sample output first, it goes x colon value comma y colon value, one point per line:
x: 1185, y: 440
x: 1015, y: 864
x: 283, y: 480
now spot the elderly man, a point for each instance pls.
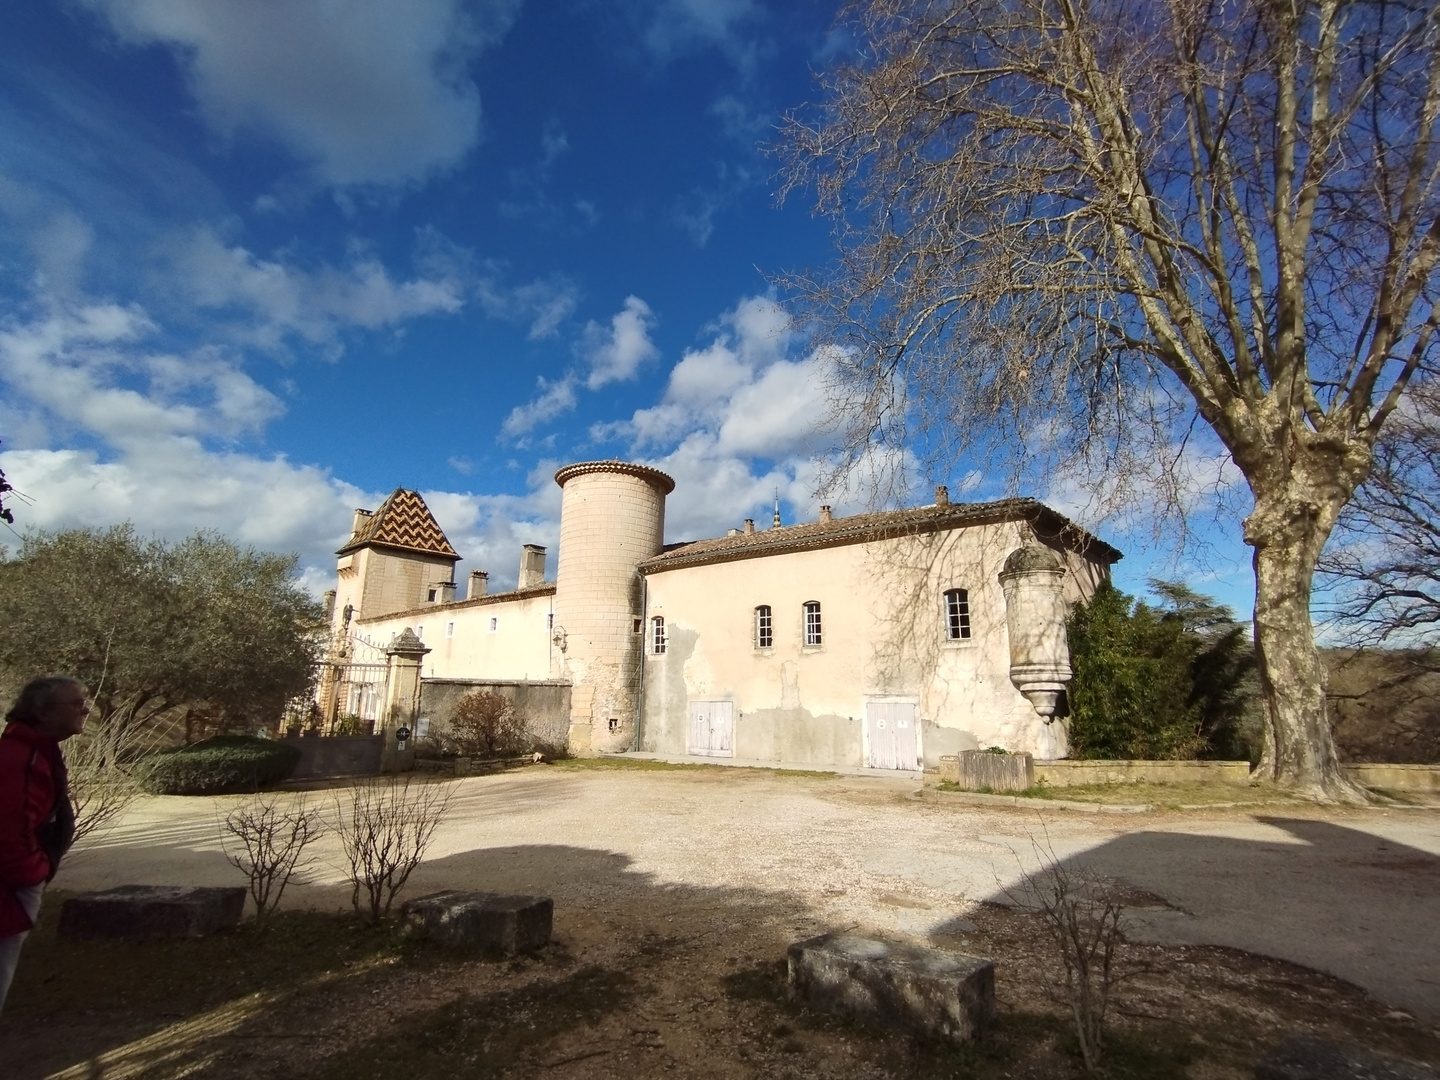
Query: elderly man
x: 37, y: 821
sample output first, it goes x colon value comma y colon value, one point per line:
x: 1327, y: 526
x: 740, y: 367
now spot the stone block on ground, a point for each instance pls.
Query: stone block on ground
x: 477, y: 920
x: 1308, y: 1057
x: 940, y: 993
x: 138, y: 911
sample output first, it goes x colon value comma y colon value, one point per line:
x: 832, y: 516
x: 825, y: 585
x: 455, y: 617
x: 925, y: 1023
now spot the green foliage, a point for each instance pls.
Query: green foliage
x: 204, y: 624
x: 221, y: 765
x: 1168, y: 682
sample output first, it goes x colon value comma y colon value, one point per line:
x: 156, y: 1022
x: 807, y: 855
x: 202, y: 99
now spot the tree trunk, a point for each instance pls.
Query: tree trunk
x: 1287, y: 538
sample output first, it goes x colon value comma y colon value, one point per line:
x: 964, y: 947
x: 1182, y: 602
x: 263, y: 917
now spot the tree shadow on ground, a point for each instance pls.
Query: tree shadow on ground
x: 1340, y: 923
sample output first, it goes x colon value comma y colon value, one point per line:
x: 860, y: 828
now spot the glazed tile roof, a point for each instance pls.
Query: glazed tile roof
x: 402, y: 521
x: 861, y: 528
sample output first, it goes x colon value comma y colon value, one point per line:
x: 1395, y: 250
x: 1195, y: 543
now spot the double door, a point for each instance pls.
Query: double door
x: 711, y: 731
x: 890, y: 741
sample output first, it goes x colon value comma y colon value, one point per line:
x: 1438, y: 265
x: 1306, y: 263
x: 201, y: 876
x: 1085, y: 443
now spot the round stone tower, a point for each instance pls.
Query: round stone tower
x: 612, y: 518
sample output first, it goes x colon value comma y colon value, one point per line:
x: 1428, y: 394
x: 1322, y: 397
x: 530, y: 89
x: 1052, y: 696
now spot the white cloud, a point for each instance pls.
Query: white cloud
x: 678, y: 27
x: 555, y: 398
x: 545, y: 302
x: 696, y: 213
x: 365, y: 91
x: 615, y: 354
x: 317, y: 305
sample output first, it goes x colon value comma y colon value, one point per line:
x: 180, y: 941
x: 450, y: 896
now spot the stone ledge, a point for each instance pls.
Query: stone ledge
x: 136, y: 911
x: 945, y: 994
x: 477, y: 920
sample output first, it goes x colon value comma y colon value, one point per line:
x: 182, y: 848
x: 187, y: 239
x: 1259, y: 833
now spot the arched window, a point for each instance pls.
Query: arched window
x: 957, y: 615
x: 764, y: 627
x: 812, y: 623
x: 657, y: 635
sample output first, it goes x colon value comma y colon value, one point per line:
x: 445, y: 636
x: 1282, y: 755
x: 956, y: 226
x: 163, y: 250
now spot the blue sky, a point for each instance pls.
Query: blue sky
x: 262, y: 262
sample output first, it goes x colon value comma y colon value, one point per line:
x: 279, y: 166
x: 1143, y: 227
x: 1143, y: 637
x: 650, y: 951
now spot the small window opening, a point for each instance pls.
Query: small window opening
x: 494, y: 623
x: 449, y: 629
x: 657, y: 635
x: 420, y: 632
x: 614, y: 724
x: 764, y: 627
x: 635, y: 627
x: 957, y: 615
x: 813, y: 634
x: 432, y: 596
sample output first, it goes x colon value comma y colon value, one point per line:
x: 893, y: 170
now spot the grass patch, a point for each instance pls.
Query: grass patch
x: 1160, y: 796
x: 640, y: 764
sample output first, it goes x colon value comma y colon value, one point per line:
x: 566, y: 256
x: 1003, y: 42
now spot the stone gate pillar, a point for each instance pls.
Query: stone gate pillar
x: 402, y: 682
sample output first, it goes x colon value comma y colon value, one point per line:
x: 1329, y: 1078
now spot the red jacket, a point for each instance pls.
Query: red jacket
x: 27, y: 799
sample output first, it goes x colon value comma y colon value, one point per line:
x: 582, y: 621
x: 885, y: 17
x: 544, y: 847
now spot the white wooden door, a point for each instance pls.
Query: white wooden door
x: 890, y: 735
x: 712, y: 728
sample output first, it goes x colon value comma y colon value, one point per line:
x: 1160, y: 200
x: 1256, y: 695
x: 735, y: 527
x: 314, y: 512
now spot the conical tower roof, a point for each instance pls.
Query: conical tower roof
x: 402, y: 521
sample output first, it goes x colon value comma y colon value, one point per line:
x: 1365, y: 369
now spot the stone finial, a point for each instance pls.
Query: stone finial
x: 942, y: 495
x: 406, y: 644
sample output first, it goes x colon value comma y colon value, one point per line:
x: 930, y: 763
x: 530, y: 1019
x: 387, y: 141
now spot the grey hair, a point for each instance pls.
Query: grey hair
x: 35, y: 698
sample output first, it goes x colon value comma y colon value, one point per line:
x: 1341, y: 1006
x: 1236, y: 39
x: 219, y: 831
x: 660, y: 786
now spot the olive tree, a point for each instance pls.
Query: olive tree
x: 1090, y: 233
x: 150, y: 626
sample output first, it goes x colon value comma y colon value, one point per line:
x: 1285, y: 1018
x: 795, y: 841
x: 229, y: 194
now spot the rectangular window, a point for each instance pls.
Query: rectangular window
x: 420, y: 632
x: 449, y: 629
x: 657, y: 635
x: 812, y: 623
x: 764, y: 627
x: 494, y: 623
x: 635, y: 629
x: 550, y: 620
x: 957, y: 615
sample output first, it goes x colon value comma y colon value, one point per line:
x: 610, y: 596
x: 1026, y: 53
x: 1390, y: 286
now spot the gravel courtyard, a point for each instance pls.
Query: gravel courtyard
x: 718, y: 852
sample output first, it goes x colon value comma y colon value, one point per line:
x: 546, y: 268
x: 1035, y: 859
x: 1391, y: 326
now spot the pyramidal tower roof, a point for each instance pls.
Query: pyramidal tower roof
x: 402, y: 521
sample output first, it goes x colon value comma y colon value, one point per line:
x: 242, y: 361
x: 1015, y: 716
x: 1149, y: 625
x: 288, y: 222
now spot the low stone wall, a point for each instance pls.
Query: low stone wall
x: 336, y: 755
x: 1397, y: 777
x: 545, y: 704
x: 1076, y: 773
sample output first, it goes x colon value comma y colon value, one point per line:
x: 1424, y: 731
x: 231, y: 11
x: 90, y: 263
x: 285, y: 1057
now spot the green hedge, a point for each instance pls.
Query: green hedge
x: 218, y: 766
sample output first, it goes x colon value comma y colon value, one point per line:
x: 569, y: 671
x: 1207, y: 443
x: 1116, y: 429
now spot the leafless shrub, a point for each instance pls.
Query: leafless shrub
x: 485, y: 724
x: 1085, y: 920
x: 99, y: 765
x: 384, y: 831
x: 266, y: 844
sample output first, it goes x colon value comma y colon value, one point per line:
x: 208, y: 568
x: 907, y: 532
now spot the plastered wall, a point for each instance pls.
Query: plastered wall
x: 883, y: 638
x: 463, y: 644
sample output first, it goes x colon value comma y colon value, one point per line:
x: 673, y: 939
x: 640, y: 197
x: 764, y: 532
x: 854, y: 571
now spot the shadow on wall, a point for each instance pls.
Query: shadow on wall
x: 1353, y: 904
x: 545, y: 706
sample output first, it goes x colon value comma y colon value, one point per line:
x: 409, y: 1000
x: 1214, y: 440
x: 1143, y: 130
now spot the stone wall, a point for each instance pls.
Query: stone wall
x: 1075, y: 773
x: 336, y: 755
x: 545, y: 704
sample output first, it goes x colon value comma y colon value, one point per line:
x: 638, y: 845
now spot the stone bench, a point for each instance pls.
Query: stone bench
x: 477, y: 920
x: 940, y: 993
x: 138, y: 911
x: 1307, y: 1057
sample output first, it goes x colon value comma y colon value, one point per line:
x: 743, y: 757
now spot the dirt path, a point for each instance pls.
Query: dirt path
x: 1354, y: 894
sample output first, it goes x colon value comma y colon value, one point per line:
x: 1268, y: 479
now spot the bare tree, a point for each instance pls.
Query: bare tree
x: 1381, y: 574
x: 385, y: 831
x: 99, y: 766
x: 271, y: 844
x: 1084, y: 918
x: 485, y: 724
x: 1097, y: 232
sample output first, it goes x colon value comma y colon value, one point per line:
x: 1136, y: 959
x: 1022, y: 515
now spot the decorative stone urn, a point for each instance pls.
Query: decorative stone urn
x: 1035, y: 618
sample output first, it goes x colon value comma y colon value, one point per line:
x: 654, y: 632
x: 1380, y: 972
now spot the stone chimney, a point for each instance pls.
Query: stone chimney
x: 479, y: 581
x: 532, y: 566
x: 824, y: 513
x: 749, y: 526
x: 942, y: 495
x: 444, y: 592
x: 362, y: 518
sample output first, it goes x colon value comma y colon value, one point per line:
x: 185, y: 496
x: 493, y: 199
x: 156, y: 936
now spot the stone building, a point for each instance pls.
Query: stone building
x: 882, y: 639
